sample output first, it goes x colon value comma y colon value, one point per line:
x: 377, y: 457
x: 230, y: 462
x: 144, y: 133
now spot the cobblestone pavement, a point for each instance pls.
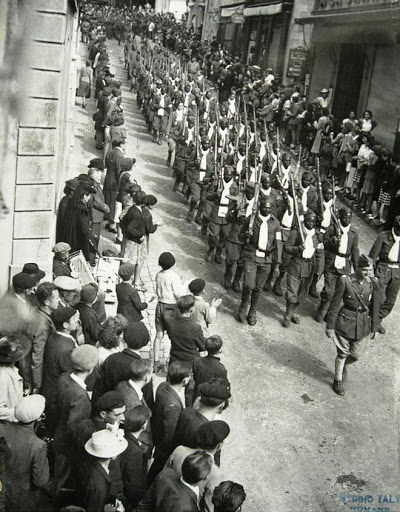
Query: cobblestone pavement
x: 294, y: 444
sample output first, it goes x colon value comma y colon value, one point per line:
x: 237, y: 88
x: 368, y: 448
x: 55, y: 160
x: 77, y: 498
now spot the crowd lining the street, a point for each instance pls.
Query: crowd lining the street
x: 109, y: 440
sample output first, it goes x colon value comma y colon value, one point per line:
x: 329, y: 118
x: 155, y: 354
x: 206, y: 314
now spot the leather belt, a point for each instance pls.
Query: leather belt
x: 356, y: 310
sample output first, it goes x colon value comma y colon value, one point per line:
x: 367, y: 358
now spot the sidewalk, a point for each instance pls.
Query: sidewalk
x: 84, y: 150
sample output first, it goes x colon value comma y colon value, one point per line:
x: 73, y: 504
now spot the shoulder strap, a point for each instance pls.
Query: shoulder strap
x: 358, y: 295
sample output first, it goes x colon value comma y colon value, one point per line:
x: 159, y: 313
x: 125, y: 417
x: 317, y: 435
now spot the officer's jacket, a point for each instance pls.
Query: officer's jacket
x: 351, y: 317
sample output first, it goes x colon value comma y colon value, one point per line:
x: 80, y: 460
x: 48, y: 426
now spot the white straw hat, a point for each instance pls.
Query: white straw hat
x: 106, y: 444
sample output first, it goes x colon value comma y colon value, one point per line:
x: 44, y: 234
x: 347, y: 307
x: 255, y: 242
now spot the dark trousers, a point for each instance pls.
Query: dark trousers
x: 389, y: 281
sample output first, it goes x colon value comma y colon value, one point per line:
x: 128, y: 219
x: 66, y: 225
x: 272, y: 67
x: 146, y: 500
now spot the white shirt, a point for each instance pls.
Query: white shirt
x: 78, y: 380
x: 169, y: 286
x: 192, y: 488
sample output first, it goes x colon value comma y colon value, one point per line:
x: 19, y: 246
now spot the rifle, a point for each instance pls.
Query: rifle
x: 255, y: 203
x: 196, y: 130
x: 334, y: 217
x: 278, y: 154
x: 246, y: 160
x: 296, y: 211
x: 269, y: 158
x: 255, y: 139
x: 297, y: 172
x: 319, y: 187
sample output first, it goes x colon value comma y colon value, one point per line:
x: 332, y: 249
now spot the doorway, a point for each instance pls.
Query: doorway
x: 349, y: 80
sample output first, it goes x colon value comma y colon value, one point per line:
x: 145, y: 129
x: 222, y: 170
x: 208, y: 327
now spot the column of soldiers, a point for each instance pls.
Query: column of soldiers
x: 270, y: 219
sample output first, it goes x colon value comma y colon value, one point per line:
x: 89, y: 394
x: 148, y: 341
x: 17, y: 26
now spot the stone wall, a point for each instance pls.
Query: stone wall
x: 40, y: 134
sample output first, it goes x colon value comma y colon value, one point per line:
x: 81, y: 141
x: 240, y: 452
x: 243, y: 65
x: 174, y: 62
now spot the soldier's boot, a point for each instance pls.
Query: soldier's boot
x: 228, y: 275
x: 210, y: 254
x: 288, y: 314
x: 218, y: 256
x: 313, y: 292
x: 267, y: 286
x: 198, y: 219
x: 176, y: 184
x: 295, y: 318
x: 204, y: 226
x: 168, y: 162
x: 244, y: 304
x: 322, y: 311
x: 236, y: 280
x: 338, y: 387
x: 192, y: 208
x: 277, y: 289
x: 252, y: 316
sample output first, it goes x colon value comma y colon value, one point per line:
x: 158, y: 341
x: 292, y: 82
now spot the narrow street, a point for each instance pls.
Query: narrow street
x: 294, y: 444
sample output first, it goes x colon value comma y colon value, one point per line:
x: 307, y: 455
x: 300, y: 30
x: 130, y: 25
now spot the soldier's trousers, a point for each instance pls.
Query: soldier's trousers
x: 297, y: 288
x: 217, y: 235
x: 389, y: 282
x: 255, y: 274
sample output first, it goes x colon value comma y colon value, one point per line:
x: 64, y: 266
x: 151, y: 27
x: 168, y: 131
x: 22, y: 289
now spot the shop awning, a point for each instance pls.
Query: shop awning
x: 228, y: 11
x: 263, y: 10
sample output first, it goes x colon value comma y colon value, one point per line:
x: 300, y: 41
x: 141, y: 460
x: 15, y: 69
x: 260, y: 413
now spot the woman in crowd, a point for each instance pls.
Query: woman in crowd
x: 85, y: 82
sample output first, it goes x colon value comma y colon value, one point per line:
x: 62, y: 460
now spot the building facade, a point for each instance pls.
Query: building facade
x: 38, y: 92
x: 355, y: 50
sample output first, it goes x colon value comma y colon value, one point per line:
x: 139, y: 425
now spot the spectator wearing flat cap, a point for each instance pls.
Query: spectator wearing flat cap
x: 68, y: 289
x: 116, y: 367
x: 63, y: 207
x: 203, y: 313
x: 61, y: 266
x: 57, y: 357
x: 27, y: 469
x: 210, y: 438
x: 213, y: 399
x: 78, y: 223
x: 13, y: 348
x: 89, y: 318
x: 129, y: 303
x: 102, y: 482
x: 73, y: 406
x: 99, y: 207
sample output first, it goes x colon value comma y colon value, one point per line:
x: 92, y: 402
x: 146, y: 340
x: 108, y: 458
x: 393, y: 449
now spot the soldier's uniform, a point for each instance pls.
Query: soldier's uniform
x: 385, y: 254
x: 353, y: 315
x: 262, y: 250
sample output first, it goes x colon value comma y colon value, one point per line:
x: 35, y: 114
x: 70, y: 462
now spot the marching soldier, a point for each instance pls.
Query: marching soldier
x: 385, y: 254
x: 341, y: 251
x: 262, y: 250
x: 352, y: 318
x: 307, y: 253
x: 161, y: 106
x: 218, y: 226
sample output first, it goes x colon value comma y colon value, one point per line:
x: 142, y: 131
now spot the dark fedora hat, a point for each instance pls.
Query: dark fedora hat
x: 33, y: 270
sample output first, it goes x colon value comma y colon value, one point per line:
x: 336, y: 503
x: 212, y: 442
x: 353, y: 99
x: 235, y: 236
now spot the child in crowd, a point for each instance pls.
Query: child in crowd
x: 204, y: 313
x: 169, y: 287
x: 129, y: 303
x: 209, y: 367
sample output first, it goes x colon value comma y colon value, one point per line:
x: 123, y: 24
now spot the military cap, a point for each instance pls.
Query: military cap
x: 309, y: 214
x: 250, y: 185
x: 364, y: 261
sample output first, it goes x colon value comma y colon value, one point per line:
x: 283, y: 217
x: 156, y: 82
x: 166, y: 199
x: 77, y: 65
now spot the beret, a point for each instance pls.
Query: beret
x: 68, y: 284
x: 126, y: 270
x: 127, y: 164
x: 62, y: 314
x: 214, y: 389
x: 110, y: 400
x: 33, y: 270
x: 166, y: 260
x: 364, y: 261
x: 61, y: 247
x: 84, y: 358
x: 197, y: 285
x: 89, y: 292
x: 72, y: 184
x: 30, y: 408
x: 151, y: 200
x: 210, y: 434
x: 23, y: 281
x: 136, y: 335
x: 97, y: 163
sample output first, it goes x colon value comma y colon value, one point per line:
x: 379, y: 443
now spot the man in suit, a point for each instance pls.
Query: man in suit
x: 341, y: 252
x: 133, y: 462
x: 26, y: 467
x: 73, y: 406
x: 228, y: 495
x: 170, y: 493
x: 170, y: 401
x: 57, y: 357
x: 129, y: 303
x: 89, y: 317
x: 131, y: 390
x: 111, y: 182
x: 116, y: 367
